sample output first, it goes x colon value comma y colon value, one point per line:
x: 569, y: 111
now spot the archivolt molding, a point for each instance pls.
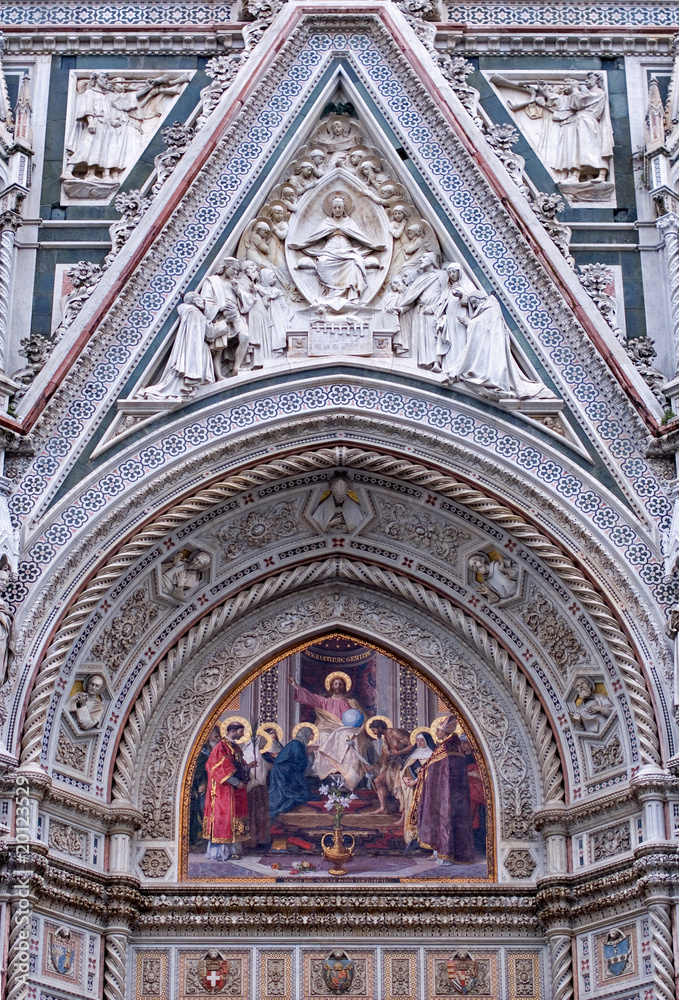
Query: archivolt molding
x: 324, y: 458
x: 291, y: 606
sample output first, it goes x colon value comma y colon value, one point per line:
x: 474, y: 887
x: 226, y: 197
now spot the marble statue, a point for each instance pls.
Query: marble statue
x: 184, y: 572
x: 493, y: 575
x: 340, y: 252
x: 486, y: 363
x: 421, y: 299
x: 228, y: 299
x: 190, y: 362
x: 87, y: 706
x: 591, y: 709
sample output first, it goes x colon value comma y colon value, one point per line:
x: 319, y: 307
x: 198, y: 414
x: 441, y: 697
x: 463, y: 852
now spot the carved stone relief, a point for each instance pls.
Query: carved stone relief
x: 608, y: 756
x: 402, y: 522
x: 553, y: 632
x: 566, y: 118
x: 609, y: 842
x: 591, y: 705
x: 117, y: 639
x: 257, y: 529
x: 493, y: 575
x: 520, y: 863
x: 87, y: 702
x: 182, y: 574
x: 339, y: 507
x: 155, y: 863
x: 71, y: 754
x: 110, y: 120
x: 69, y: 841
x: 340, y: 261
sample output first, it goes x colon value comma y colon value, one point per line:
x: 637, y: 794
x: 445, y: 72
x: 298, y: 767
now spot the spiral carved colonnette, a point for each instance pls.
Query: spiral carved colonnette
x: 357, y: 458
x: 333, y: 568
x: 17, y: 959
x: 662, y: 951
x: 115, y: 967
x: 562, y: 967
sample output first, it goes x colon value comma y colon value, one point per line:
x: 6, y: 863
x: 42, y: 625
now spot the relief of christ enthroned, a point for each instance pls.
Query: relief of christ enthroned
x: 337, y: 715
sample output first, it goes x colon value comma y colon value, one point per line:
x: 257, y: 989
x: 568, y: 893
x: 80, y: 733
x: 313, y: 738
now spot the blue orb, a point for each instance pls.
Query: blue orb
x: 352, y: 718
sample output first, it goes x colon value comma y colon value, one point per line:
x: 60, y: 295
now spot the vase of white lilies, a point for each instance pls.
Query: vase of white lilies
x: 338, y: 797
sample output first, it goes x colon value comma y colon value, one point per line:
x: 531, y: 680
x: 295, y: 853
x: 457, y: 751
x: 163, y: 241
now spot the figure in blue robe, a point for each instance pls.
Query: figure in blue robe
x: 288, y: 786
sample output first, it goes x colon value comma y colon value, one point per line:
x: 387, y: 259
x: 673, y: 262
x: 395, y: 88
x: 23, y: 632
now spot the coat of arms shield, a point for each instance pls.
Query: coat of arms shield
x: 463, y: 972
x: 338, y: 972
x: 62, y: 951
x: 617, y: 953
x: 213, y: 970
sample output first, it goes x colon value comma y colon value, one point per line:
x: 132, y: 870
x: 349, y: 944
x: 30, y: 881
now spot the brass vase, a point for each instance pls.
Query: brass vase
x: 337, y: 854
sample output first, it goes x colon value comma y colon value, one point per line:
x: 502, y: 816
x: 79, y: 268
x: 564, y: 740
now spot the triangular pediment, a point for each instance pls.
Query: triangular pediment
x: 540, y: 323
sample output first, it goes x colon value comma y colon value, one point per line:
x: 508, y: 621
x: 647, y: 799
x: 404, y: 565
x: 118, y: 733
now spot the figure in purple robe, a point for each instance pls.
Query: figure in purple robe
x: 441, y: 804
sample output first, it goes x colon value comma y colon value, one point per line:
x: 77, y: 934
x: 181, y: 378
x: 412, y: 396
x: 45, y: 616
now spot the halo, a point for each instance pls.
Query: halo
x: 262, y: 218
x: 372, y: 160
x: 347, y: 199
x: 422, y: 729
x: 400, y: 190
x: 338, y: 118
x: 363, y: 150
x: 437, y: 721
x: 376, y: 718
x: 266, y: 726
x: 403, y: 206
x: 307, y: 725
x: 244, y: 722
x: 338, y: 673
x: 277, y: 203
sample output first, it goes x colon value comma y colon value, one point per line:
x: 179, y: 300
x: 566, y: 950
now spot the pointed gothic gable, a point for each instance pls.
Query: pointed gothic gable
x: 449, y: 182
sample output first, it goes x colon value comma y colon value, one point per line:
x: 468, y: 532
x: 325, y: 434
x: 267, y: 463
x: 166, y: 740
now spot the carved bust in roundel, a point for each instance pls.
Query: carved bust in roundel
x: 339, y: 246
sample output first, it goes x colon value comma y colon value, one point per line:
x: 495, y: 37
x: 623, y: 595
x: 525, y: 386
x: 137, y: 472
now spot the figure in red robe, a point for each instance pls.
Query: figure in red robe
x: 441, y: 804
x: 225, y: 821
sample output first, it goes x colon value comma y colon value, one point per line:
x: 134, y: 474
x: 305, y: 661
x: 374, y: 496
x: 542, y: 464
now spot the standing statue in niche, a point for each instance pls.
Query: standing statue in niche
x: 339, y: 252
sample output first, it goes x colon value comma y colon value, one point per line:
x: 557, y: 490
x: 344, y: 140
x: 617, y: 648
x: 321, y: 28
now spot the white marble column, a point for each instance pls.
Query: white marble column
x: 9, y: 223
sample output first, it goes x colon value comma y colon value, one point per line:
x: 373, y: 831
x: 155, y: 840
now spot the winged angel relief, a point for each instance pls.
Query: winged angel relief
x: 339, y: 261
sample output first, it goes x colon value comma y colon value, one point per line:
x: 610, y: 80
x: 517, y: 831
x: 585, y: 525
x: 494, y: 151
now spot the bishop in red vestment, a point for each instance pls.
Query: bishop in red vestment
x: 225, y: 820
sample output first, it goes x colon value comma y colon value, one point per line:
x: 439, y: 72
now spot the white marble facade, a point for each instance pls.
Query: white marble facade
x: 295, y: 350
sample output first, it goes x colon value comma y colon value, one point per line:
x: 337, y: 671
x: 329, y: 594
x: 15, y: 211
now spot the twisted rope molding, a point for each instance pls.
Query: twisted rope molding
x: 370, y: 461
x: 527, y: 702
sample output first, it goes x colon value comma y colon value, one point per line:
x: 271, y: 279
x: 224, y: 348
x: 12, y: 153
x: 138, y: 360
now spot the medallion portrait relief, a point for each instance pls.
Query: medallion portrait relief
x: 336, y: 755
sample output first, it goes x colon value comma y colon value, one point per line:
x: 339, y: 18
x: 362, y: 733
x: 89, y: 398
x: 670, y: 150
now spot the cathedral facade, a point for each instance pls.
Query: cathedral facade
x: 339, y: 547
